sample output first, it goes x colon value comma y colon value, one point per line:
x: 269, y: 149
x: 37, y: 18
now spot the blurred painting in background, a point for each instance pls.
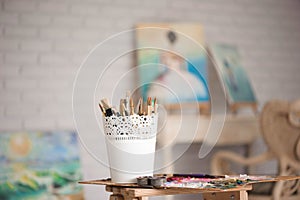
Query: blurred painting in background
x: 39, y: 165
x: 171, y: 62
x: 229, y: 65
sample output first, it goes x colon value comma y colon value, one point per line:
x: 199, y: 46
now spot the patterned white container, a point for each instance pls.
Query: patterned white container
x: 130, y: 142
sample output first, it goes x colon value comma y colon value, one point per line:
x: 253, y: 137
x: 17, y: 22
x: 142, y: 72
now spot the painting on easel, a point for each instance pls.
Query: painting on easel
x: 172, y: 62
x: 228, y: 64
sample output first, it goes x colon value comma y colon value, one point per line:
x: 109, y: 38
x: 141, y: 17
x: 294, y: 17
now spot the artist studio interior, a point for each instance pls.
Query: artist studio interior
x: 158, y: 100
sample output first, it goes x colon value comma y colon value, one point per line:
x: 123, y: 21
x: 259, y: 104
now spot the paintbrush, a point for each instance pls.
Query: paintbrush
x: 105, y: 103
x: 115, y: 112
x: 137, y: 109
x: 102, y: 109
x: 107, y: 107
x: 125, y: 111
x: 149, y: 106
x: 198, y: 176
x: 121, y: 109
x: 126, y: 102
x: 155, y: 105
x: 141, y: 107
x: 131, y: 107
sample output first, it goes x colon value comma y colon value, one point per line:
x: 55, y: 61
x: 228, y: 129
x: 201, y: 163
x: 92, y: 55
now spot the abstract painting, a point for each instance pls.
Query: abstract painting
x: 171, y: 62
x: 39, y: 165
x: 234, y: 76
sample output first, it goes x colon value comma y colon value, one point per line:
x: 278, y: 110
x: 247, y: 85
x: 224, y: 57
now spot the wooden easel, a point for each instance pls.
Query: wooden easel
x: 234, y: 107
x: 121, y: 193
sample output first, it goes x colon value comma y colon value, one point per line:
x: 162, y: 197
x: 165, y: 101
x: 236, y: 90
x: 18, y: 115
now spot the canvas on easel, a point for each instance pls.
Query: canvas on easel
x: 229, y: 67
x: 172, y: 63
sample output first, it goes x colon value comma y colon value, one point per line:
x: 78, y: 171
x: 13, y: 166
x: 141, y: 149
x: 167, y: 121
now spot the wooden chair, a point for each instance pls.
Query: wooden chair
x: 280, y: 128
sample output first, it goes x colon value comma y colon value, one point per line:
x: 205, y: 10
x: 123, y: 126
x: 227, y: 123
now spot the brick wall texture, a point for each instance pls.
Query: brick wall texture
x: 42, y: 44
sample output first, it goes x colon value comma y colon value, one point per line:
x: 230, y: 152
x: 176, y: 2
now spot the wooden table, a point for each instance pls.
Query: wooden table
x: 131, y: 191
x: 134, y: 192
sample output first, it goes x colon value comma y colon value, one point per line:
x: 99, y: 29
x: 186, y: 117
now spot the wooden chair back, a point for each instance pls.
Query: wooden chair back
x: 281, y: 131
x: 281, y: 136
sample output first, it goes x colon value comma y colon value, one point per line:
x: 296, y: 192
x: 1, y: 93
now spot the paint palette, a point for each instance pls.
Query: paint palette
x: 200, y: 181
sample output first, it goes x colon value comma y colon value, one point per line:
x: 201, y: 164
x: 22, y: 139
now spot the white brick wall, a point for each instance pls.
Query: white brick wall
x: 42, y: 44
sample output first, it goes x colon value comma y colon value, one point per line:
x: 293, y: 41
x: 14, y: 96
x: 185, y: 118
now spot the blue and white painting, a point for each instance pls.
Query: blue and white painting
x: 172, y: 62
x: 233, y: 74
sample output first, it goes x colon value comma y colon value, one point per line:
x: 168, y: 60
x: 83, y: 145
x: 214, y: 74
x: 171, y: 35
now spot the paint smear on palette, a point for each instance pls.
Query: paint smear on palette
x: 215, y: 183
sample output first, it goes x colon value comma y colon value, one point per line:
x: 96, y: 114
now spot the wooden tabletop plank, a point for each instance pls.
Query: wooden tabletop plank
x: 144, y: 192
x: 108, y: 182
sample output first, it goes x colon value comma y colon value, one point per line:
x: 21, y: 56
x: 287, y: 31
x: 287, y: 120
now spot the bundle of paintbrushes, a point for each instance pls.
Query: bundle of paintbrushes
x: 127, y: 107
x: 130, y: 132
x: 130, y: 122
